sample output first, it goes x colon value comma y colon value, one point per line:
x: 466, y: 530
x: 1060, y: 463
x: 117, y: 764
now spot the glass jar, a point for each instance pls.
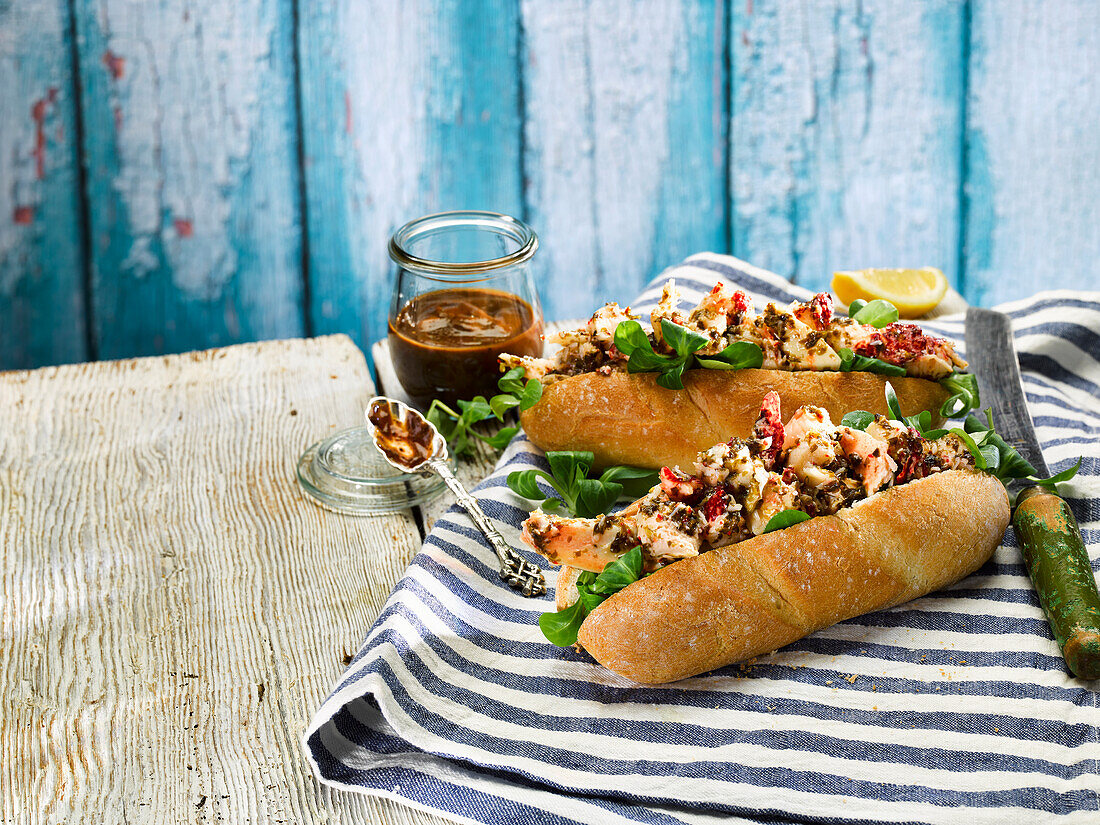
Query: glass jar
x: 463, y: 294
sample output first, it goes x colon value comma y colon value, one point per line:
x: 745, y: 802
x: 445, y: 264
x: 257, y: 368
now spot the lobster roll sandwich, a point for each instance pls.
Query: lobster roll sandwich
x: 657, y: 395
x: 768, y: 538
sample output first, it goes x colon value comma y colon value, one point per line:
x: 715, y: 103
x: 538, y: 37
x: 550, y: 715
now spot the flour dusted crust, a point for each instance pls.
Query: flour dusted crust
x: 629, y: 419
x: 745, y: 599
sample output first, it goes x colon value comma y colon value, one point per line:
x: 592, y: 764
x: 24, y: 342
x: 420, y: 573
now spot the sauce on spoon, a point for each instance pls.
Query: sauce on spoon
x: 405, y: 441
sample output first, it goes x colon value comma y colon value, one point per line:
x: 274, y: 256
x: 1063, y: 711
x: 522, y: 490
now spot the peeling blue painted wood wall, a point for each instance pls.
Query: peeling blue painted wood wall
x: 176, y: 176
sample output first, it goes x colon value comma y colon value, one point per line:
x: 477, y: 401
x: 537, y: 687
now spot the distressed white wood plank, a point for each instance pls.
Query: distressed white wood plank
x: 190, y: 143
x: 847, y: 135
x: 624, y: 144
x: 1033, y: 149
x: 175, y: 609
x: 41, y: 255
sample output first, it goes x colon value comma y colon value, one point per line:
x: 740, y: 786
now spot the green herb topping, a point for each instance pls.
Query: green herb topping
x: 785, y: 518
x: 457, y: 426
x: 877, y: 313
x: 581, y: 496
x: 964, y: 394
x: 999, y: 458
x: 850, y: 362
x: 632, y: 340
x: 991, y: 453
x: 561, y: 627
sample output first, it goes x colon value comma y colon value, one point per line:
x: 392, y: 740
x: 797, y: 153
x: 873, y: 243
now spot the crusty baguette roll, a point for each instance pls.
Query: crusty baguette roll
x: 745, y: 599
x: 629, y: 419
x: 566, y: 591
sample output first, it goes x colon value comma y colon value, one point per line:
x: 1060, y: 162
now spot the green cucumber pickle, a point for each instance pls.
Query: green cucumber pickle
x: 1058, y: 564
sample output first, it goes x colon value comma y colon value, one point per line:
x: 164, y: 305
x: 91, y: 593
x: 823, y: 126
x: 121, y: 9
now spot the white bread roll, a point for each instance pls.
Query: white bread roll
x: 629, y: 419
x: 745, y: 599
x: 566, y: 592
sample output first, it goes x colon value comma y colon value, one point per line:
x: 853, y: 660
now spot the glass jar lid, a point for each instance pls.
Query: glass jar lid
x: 346, y: 473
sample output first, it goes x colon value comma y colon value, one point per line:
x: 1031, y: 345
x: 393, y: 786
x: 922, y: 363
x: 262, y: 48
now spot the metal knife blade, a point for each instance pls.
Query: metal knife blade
x: 991, y: 351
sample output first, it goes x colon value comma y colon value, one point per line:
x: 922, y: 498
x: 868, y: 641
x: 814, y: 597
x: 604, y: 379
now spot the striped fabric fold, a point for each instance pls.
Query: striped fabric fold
x: 953, y: 708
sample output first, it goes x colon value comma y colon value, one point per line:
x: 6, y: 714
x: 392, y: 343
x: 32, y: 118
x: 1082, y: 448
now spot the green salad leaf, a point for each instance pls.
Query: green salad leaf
x: 877, y: 313
x: 635, y: 481
x: 922, y: 423
x: 632, y: 340
x: 857, y: 419
x: 850, y: 362
x: 683, y: 340
x: 456, y: 426
x: 995, y: 455
x: 625, y: 570
x: 785, y: 518
x: 991, y: 452
x: 1053, y: 481
x: 582, y: 496
x: 739, y: 355
x: 964, y: 394
x: 561, y: 628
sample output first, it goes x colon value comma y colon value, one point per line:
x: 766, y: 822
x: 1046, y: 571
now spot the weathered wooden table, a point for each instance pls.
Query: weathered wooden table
x: 174, y: 609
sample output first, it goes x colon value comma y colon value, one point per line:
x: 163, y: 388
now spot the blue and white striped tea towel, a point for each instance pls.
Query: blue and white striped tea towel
x: 953, y: 708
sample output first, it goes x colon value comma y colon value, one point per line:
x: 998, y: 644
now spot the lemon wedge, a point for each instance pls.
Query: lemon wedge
x: 913, y: 291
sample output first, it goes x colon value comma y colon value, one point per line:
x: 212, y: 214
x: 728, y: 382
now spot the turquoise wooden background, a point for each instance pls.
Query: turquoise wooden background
x: 179, y: 175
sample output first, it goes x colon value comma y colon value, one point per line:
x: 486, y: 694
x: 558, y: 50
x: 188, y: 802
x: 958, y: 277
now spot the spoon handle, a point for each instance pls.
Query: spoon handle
x: 515, y: 571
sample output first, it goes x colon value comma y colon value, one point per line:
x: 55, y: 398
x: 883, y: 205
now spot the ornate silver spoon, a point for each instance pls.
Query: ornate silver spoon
x: 409, y: 442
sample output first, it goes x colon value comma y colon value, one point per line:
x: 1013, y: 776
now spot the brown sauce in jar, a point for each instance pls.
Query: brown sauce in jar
x: 445, y: 343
